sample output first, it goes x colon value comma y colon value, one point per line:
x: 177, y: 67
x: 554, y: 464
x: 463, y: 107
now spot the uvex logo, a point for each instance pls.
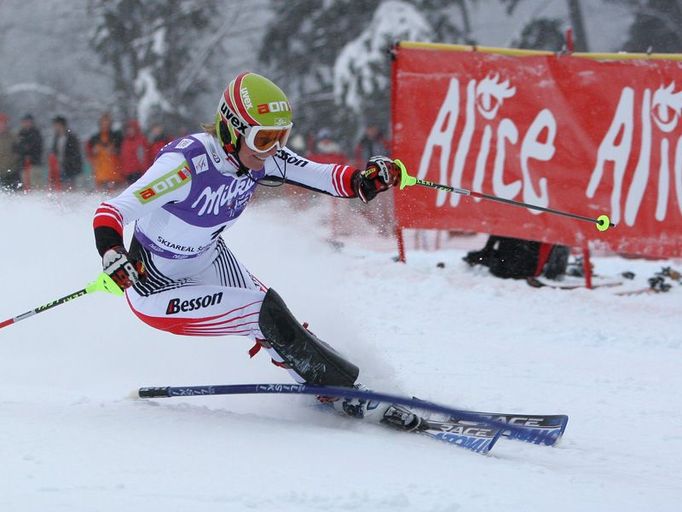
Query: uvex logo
x: 244, y: 92
x: 176, y: 305
x: 166, y: 183
x: 232, y: 118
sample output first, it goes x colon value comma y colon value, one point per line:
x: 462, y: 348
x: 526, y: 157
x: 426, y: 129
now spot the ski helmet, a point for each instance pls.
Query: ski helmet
x: 248, y: 102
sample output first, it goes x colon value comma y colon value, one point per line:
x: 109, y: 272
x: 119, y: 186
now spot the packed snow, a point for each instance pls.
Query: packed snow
x: 71, y: 439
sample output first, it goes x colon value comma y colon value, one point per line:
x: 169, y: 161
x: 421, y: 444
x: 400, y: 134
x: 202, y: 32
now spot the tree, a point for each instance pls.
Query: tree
x: 302, y: 44
x: 299, y: 51
x: 542, y: 32
x: 362, y: 67
x: 657, y: 26
x: 147, y: 46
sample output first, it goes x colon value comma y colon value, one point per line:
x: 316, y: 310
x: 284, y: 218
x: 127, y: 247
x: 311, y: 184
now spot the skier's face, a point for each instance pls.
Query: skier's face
x: 251, y: 158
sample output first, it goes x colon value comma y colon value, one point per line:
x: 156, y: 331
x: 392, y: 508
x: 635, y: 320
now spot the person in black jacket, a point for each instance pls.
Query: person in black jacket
x: 67, y: 152
x: 30, y: 147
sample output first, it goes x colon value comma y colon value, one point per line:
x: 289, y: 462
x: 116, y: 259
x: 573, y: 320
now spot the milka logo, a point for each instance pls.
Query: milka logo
x: 212, y: 201
x: 664, y: 106
x: 487, y: 97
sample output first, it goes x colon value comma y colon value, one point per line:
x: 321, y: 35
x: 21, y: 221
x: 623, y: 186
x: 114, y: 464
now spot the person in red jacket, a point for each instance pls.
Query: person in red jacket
x: 157, y: 140
x: 134, y: 150
x: 326, y: 150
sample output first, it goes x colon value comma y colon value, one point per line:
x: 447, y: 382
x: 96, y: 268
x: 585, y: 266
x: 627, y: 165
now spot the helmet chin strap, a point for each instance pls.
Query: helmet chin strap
x: 234, y: 151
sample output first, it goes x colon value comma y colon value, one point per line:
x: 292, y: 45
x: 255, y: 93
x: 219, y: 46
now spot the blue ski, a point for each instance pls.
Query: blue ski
x: 538, y: 429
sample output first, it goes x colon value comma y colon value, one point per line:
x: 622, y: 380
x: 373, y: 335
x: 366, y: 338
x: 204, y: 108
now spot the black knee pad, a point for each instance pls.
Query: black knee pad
x: 308, y: 356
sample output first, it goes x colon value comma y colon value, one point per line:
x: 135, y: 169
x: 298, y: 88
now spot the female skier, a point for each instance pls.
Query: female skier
x: 178, y: 274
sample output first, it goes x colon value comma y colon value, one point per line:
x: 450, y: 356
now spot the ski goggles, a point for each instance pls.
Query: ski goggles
x: 262, y: 139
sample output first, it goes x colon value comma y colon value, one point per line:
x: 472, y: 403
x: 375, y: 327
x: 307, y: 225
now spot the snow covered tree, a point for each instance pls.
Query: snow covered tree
x: 657, y: 26
x: 362, y: 68
x: 304, y: 42
x: 150, y: 49
x: 543, y: 33
x: 450, y: 20
x: 299, y: 50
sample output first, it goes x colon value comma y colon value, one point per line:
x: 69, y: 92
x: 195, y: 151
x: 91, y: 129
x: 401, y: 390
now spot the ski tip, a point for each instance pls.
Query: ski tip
x: 134, y: 394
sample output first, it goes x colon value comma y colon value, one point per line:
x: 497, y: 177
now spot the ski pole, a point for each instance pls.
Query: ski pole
x: 340, y: 392
x: 602, y: 222
x: 103, y: 283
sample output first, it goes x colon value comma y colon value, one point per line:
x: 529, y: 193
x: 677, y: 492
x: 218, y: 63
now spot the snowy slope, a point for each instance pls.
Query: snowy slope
x: 71, y: 440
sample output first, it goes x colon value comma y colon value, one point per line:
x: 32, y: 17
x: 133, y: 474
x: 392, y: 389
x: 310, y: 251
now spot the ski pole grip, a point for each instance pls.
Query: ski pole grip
x: 154, y: 392
x: 405, y: 179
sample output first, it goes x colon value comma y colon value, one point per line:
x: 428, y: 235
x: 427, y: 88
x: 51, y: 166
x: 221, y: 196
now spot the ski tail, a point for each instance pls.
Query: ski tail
x: 545, y: 430
x: 477, y: 438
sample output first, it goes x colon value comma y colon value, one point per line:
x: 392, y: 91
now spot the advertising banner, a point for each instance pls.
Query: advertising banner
x: 583, y: 135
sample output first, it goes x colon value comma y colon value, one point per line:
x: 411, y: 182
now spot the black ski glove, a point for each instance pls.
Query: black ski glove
x: 124, y: 271
x: 379, y: 175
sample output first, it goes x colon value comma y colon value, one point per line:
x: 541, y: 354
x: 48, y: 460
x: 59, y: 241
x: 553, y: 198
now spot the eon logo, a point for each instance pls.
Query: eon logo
x: 166, y: 183
x: 176, y: 306
x: 273, y: 106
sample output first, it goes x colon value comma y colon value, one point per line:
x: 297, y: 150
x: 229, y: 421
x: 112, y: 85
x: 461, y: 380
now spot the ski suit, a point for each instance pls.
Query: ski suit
x: 191, y: 193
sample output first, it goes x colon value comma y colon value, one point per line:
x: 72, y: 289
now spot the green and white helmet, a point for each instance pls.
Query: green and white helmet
x: 257, y: 110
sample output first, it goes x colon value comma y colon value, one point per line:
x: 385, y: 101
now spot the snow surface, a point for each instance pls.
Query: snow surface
x: 71, y: 440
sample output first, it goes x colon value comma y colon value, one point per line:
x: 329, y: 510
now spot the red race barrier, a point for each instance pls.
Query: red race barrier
x: 589, y: 136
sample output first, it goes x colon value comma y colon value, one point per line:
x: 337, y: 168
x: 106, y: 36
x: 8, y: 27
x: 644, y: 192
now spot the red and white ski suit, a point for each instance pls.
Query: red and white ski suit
x: 180, y: 206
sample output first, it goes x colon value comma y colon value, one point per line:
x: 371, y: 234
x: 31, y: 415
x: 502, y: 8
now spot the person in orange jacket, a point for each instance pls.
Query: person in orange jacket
x: 103, y: 151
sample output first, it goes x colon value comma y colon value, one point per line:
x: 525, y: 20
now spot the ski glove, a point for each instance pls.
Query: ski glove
x: 379, y: 175
x: 125, y: 272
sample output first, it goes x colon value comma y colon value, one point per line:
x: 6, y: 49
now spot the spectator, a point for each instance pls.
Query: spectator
x: 297, y: 143
x: 30, y: 148
x: 134, y: 150
x: 518, y: 259
x: 371, y: 143
x: 157, y: 140
x: 10, y: 173
x: 326, y: 150
x: 103, y: 151
x: 66, y: 153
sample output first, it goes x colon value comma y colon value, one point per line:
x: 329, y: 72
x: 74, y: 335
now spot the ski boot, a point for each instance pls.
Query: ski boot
x: 393, y: 415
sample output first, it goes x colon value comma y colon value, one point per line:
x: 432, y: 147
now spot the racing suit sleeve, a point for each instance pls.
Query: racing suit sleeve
x: 333, y: 179
x: 167, y: 180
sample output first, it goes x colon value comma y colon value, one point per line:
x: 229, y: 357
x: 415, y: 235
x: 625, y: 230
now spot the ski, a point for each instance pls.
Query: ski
x: 477, y: 438
x: 545, y: 430
x: 540, y: 429
x: 563, y: 285
x: 661, y: 282
x: 475, y: 431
